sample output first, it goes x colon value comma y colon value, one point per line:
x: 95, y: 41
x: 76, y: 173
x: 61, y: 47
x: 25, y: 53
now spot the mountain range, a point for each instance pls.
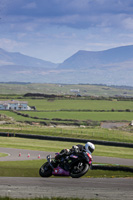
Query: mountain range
x: 112, y: 67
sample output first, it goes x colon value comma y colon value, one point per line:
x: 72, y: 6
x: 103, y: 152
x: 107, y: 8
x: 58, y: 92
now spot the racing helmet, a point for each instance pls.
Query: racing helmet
x: 89, y: 147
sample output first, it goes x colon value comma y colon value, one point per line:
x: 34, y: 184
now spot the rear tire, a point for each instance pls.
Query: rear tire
x: 79, y: 170
x: 45, y: 170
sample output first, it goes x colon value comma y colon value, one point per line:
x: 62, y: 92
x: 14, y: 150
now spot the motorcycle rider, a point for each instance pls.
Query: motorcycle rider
x: 88, y: 147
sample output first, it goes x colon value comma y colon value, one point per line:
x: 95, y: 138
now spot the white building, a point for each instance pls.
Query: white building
x: 14, y: 105
x: 74, y: 90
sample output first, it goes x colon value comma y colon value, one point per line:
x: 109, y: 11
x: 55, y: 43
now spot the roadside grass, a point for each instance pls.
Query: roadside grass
x: 95, y: 133
x: 3, y: 154
x: 56, y: 146
x: 20, y: 168
x: 107, y: 174
x: 31, y: 169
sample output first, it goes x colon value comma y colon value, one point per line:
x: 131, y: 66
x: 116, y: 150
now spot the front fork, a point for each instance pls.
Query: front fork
x: 49, y: 161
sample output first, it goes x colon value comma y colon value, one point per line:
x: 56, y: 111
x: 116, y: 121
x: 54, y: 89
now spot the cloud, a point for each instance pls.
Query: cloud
x: 71, y: 13
x: 9, y: 44
x: 128, y: 23
x: 31, y: 5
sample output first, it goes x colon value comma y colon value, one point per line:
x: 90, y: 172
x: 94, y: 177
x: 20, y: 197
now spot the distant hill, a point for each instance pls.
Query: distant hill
x: 99, y: 59
x: 22, y: 68
x: 18, y: 59
x: 111, y: 67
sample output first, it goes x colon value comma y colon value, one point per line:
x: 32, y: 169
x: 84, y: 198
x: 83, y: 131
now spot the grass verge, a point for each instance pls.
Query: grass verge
x: 31, y: 169
x: 3, y: 154
x: 95, y: 133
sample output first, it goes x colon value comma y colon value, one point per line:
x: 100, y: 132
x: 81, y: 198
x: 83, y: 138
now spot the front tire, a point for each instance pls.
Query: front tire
x: 45, y: 170
x: 79, y: 169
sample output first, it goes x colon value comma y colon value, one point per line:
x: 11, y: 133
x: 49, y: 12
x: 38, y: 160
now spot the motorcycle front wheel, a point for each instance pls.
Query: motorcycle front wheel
x: 79, y: 169
x: 45, y: 170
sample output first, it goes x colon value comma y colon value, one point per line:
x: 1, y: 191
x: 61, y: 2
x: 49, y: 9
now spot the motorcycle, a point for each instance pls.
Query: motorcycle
x: 74, y: 165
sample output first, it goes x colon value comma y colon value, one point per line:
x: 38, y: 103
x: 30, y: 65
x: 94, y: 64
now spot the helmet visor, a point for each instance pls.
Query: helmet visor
x: 90, y: 149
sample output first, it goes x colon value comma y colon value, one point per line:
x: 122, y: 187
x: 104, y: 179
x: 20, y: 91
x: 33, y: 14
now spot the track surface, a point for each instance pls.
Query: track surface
x: 13, y: 155
x: 101, y: 188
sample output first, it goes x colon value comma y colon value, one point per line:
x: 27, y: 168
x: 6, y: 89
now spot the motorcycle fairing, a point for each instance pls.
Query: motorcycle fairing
x: 58, y: 171
x: 90, y: 158
x: 73, y: 156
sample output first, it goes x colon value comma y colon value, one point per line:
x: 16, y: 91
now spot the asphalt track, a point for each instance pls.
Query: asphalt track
x: 99, y: 188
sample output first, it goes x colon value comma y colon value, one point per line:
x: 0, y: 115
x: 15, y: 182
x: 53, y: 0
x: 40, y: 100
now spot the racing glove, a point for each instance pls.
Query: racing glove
x: 75, y: 149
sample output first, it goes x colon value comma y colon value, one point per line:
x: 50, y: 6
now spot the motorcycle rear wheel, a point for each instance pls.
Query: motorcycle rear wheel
x: 79, y: 170
x: 45, y: 170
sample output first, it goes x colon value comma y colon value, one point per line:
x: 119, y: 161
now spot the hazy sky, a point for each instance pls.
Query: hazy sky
x: 53, y: 30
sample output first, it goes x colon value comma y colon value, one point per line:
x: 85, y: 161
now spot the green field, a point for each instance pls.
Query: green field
x: 95, y: 116
x: 96, y: 110
x: 73, y: 113
x: 89, y: 132
x: 88, y: 90
x: 74, y: 104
